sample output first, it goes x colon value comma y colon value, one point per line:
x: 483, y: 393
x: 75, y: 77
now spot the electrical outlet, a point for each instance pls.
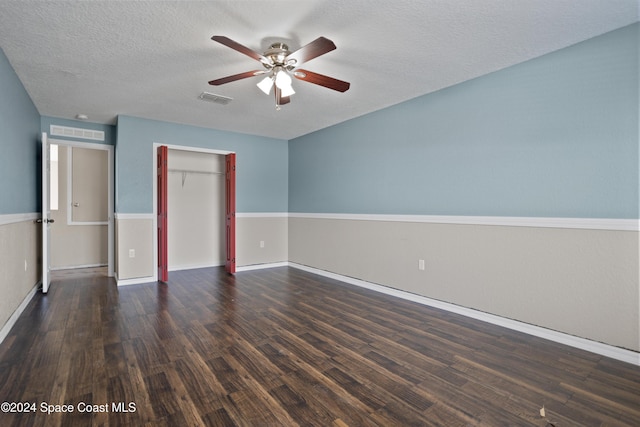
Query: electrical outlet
x: 132, y: 253
x: 262, y: 243
x: 420, y: 264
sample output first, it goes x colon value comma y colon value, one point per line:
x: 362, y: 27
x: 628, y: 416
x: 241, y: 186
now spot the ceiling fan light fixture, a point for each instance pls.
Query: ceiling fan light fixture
x: 279, y: 63
x: 283, y: 79
x: 287, y: 90
x: 266, y: 84
x: 283, y: 82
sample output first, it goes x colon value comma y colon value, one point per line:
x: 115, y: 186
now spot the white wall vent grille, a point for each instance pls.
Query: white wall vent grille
x: 212, y: 97
x: 95, y: 135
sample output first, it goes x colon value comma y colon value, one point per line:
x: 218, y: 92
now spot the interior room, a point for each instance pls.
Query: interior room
x: 327, y: 212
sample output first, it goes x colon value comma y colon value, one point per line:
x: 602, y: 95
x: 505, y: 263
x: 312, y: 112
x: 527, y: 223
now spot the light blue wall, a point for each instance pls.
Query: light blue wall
x: 261, y: 171
x: 19, y: 140
x: 109, y: 130
x: 556, y: 136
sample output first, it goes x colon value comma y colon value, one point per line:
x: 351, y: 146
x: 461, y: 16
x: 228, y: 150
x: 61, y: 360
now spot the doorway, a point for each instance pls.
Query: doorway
x: 81, y: 202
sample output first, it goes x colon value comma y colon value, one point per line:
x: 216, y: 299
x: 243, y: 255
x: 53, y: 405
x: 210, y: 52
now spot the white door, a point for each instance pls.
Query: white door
x: 46, y: 214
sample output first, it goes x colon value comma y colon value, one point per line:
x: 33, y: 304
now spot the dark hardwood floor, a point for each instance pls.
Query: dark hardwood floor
x: 284, y: 347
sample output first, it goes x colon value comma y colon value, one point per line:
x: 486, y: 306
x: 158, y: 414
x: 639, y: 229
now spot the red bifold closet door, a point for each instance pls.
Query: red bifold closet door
x: 163, y: 262
x: 230, y: 213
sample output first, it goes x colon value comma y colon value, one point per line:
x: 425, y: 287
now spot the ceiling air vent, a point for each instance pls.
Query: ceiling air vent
x: 212, y: 97
x: 96, y: 135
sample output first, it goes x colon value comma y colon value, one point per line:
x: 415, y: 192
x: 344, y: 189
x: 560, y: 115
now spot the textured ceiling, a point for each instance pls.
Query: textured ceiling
x: 152, y: 59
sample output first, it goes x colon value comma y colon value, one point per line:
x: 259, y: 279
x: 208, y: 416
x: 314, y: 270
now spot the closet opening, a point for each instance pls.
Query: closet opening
x: 195, y: 233
x: 195, y: 202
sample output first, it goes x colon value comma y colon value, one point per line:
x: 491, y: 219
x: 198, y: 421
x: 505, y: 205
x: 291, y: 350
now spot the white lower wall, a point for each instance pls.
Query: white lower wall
x: 135, y: 233
x: 269, y: 229
x: 19, y: 268
x: 581, y: 282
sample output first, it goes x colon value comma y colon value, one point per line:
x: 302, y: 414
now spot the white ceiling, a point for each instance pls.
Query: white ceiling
x: 152, y: 59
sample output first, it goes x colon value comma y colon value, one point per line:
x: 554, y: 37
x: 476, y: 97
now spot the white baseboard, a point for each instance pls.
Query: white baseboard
x: 135, y: 281
x: 77, y: 267
x: 263, y: 266
x: 602, y: 349
x: 4, y: 332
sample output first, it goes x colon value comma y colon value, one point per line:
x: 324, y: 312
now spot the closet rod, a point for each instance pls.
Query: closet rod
x: 192, y: 171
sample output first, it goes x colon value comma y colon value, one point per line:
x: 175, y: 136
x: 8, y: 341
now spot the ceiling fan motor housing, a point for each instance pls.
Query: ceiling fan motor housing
x: 277, y: 54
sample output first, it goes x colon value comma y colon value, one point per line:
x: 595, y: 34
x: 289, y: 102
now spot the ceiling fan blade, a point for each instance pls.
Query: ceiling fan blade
x: 281, y: 100
x: 322, y: 80
x: 240, y: 48
x: 235, y: 77
x: 318, y: 47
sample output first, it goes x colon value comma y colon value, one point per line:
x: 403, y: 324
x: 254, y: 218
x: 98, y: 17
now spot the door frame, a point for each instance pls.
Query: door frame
x: 45, y: 184
x: 230, y: 212
x: 162, y: 186
x: 110, y: 191
x: 154, y: 157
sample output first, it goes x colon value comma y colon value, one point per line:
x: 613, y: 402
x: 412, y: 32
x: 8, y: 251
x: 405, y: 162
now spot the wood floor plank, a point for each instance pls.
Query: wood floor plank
x: 314, y: 384
x: 607, y: 406
x: 284, y: 347
x: 140, y: 395
x: 204, y: 392
x: 342, y: 406
x: 187, y: 408
x: 551, y: 390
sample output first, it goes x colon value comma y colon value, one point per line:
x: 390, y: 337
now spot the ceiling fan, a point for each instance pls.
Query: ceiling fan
x: 280, y: 64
